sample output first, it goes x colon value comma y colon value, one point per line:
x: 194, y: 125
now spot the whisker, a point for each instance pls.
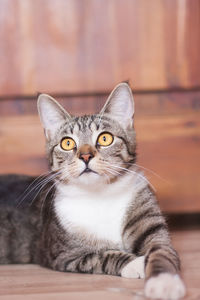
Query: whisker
x: 133, y: 172
x: 113, y: 172
x: 65, y: 174
x: 107, y: 169
x: 43, y: 185
x: 148, y: 170
x: 45, y: 197
x: 32, y: 186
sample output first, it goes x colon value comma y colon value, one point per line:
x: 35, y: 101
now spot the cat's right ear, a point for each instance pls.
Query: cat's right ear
x: 52, y: 115
x: 120, y: 105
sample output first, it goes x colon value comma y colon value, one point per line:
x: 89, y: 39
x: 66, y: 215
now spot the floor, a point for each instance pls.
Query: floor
x: 32, y: 282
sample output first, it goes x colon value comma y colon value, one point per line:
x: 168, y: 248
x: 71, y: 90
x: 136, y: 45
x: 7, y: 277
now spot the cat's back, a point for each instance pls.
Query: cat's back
x: 18, y: 219
x: 13, y: 187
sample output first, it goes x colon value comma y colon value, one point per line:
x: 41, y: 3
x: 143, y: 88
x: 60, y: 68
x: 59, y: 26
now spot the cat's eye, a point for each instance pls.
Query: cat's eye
x: 67, y: 144
x: 105, y: 139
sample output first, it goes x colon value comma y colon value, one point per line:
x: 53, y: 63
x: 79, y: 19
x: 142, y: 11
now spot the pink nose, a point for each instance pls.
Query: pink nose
x: 86, y: 157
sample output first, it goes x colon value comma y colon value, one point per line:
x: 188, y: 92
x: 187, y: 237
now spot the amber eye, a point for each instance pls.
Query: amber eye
x: 67, y: 144
x: 105, y: 139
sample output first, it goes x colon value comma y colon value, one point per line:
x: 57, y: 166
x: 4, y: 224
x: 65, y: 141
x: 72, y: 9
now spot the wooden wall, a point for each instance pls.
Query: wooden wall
x: 72, y: 46
x: 77, y: 50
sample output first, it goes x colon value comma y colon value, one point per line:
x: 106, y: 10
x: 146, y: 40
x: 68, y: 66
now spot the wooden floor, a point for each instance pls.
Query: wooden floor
x: 32, y: 282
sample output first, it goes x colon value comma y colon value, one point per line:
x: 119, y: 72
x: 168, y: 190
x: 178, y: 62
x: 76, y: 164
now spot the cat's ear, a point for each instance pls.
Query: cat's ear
x: 52, y: 115
x: 120, y: 105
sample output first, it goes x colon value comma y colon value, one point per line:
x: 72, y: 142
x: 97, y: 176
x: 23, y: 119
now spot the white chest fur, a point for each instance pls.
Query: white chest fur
x: 99, y: 213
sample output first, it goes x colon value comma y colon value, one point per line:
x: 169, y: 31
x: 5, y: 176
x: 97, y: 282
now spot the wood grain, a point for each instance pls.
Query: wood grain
x: 150, y: 103
x: 170, y: 148
x: 80, y: 46
x: 168, y: 131
x: 35, y: 283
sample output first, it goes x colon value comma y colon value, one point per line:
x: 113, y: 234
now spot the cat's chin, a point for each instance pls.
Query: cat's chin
x: 89, y: 178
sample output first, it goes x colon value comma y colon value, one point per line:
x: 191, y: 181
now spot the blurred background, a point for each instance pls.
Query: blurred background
x: 77, y: 51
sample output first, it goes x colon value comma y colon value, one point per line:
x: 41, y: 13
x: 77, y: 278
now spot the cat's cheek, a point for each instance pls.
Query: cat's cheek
x: 165, y: 286
x: 80, y: 166
x: 73, y: 170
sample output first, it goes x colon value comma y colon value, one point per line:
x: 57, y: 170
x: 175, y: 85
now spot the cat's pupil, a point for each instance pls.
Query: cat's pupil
x: 104, y: 138
x: 68, y: 143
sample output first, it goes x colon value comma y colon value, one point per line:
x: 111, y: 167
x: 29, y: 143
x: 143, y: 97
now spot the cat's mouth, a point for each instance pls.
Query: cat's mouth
x: 87, y: 170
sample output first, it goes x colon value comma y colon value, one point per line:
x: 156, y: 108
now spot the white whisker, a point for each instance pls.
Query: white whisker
x: 45, y: 197
x: 133, y: 172
x: 31, y: 187
x: 148, y: 170
x: 34, y: 187
x: 44, y: 183
x: 113, y: 172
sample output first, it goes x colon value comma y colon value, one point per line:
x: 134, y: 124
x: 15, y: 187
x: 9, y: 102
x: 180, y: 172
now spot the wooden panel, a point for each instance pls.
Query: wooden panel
x: 169, y: 146
x: 80, y: 46
x: 159, y: 103
x: 168, y: 134
x: 22, y: 145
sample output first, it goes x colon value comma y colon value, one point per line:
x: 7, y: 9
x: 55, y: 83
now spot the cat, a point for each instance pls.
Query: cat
x: 94, y: 212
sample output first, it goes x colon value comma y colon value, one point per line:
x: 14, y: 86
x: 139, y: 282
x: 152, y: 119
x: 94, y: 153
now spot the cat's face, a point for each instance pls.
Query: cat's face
x: 90, y: 149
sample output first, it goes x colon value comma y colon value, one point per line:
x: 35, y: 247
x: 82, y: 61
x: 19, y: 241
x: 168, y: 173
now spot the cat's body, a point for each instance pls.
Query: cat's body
x: 95, y: 213
x: 19, y: 223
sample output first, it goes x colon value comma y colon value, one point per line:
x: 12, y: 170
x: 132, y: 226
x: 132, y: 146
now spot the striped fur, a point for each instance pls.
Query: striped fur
x: 96, y: 216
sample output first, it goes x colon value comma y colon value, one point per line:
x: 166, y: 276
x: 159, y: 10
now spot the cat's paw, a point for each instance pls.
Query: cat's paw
x: 134, y: 269
x: 165, y: 286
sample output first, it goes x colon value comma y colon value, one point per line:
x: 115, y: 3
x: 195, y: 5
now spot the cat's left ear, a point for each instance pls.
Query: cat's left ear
x: 52, y: 115
x: 120, y: 105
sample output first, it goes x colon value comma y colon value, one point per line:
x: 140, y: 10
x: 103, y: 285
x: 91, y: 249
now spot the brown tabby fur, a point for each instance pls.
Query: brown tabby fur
x: 31, y: 231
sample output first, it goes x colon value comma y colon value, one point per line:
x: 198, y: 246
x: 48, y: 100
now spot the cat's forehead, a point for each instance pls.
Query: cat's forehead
x: 87, y: 124
x: 86, y: 129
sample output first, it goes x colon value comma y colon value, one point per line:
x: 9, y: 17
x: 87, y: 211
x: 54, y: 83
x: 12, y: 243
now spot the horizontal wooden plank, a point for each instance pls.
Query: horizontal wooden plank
x: 155, y: 103
x: 168, y: 145
x: 80, y: 46
x: 171, y: 148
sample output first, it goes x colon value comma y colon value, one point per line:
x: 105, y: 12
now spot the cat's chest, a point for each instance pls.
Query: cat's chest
x: 100, y: 215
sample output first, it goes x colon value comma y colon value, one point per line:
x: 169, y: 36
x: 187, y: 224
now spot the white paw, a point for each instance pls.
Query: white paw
x: 134, y: 269
x: 165, y: 286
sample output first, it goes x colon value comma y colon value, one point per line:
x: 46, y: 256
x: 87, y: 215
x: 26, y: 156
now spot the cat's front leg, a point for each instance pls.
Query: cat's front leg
x: 145, y: 233
x: 162, y: 271
x: 111, y: 262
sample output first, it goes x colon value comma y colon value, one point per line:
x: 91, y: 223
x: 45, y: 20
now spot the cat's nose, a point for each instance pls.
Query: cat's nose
x: 86, y: 157
x: 86, y: 153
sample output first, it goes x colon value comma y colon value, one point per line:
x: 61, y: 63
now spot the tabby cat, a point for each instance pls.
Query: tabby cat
x: 95, y: 211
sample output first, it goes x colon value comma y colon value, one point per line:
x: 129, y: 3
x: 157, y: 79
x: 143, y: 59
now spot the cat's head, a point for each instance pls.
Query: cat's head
x: 92, y: 148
